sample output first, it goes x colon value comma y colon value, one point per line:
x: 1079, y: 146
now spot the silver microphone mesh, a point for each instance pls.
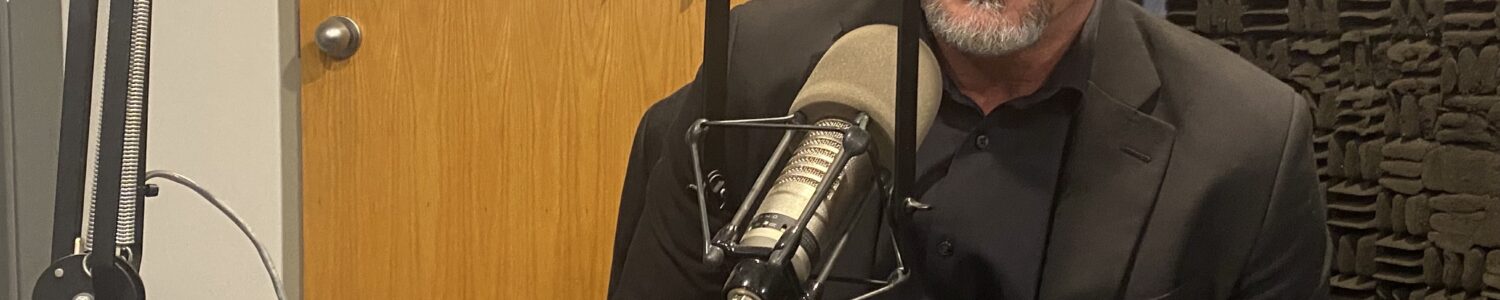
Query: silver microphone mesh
x: 809, y: 166
x: 813, y: 159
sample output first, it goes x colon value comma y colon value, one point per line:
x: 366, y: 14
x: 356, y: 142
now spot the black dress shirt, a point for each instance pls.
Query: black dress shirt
x: 992, y: 180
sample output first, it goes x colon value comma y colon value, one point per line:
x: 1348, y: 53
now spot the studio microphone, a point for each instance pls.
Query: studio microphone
x: 853, y: 85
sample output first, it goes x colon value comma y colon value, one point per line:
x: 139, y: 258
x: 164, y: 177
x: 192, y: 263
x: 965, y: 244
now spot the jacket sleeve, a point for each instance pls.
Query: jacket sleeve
x: 1292, y: 251
x: 643, y: 156
x: 658, y: 250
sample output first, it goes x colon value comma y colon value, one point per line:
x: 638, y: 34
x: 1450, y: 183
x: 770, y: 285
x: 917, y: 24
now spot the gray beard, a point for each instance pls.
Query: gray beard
x: 986, y: 35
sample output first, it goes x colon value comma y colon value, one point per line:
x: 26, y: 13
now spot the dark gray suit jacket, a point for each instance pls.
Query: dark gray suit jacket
x: 1190, y: 176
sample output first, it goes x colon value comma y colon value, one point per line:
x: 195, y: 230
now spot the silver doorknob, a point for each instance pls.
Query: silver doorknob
x: 338, y: 37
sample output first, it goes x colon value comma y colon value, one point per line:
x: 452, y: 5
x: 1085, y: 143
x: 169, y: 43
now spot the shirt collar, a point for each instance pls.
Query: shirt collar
x: 1072, y: 71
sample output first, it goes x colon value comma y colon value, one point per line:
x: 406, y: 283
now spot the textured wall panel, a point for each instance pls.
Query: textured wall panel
x: 1406, y: 110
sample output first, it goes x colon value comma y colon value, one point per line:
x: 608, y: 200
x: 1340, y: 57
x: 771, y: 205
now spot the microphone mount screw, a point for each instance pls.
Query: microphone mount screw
x: 151, y: 190
x: 718, y: 188
x: 913, y: 204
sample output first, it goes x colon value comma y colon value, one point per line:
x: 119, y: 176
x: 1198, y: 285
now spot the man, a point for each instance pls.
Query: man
x: 1083, y: 150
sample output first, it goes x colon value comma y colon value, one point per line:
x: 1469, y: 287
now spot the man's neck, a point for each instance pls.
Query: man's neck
x: 994, y: 80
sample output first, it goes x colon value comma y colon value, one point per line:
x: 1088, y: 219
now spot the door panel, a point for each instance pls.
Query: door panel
x: 475, y: 149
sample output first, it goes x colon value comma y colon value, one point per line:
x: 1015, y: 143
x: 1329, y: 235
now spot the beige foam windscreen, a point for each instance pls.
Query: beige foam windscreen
x: 858, y: 74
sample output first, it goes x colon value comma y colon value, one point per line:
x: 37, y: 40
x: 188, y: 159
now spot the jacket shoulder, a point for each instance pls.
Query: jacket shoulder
x: 1185, y: 57
x: 1210, y: 92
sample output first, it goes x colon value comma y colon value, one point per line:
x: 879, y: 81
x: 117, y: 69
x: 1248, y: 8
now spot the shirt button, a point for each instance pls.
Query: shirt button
x: 982, y: 141
x: 945, y: 248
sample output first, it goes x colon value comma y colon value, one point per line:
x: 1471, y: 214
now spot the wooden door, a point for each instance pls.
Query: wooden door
x: 475, y: 149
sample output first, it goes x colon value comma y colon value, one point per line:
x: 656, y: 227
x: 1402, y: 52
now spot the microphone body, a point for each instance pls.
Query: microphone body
x: 811, y: 164
x: 853, y: 85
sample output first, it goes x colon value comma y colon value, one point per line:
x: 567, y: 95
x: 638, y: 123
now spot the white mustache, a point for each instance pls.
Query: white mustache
x: 987, y: 4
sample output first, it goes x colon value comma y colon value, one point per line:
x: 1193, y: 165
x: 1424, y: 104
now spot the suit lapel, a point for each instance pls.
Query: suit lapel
x: 1114, y: 167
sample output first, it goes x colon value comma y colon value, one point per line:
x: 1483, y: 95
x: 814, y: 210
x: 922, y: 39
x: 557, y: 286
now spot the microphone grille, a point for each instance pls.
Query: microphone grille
x: 812, y: 161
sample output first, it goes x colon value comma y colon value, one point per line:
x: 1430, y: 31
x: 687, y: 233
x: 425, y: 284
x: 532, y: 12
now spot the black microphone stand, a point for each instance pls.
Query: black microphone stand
x: 77, y: 272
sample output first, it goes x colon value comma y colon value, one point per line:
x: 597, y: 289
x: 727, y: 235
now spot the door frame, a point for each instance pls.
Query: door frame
x: 288, y: 38
x: 9, y: 273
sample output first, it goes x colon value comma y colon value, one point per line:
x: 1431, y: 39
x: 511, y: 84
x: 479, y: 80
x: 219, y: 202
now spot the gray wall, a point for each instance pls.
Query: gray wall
x: 221, y: 113
x: 224, y: 111
x: 35, y: 73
